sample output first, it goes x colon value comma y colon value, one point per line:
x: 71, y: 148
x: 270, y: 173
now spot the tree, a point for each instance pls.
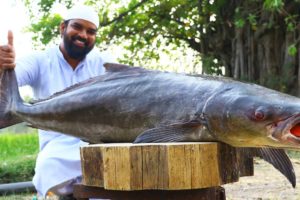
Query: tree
x: 254, y: 40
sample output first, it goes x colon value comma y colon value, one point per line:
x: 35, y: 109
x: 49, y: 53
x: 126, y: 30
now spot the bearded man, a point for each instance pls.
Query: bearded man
x: 75, y: 59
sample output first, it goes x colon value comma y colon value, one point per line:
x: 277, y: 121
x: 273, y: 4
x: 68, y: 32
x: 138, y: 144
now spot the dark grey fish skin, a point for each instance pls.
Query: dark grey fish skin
x: 130, y: 104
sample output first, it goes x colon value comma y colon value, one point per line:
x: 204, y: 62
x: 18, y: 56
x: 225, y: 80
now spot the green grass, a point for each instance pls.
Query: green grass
x: 24, y: 196
x: 17, y: 156
x: 293, y: 154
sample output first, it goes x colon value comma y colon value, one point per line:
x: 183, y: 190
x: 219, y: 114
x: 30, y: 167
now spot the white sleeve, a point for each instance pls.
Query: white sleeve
x: 27, y: 69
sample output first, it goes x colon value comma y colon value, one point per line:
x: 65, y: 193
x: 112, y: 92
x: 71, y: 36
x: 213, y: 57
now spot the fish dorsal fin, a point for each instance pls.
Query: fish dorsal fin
x: 276, y: 157
x: 126, y: 70
x: 67, y: 89
x: 116, y: 67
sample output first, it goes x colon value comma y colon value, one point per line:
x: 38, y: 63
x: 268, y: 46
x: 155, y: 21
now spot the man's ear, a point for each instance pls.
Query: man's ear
x: 62, y: 27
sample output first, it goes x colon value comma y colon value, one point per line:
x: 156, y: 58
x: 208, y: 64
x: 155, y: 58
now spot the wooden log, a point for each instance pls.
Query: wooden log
x: 246, y: 163
x: 92, y: 165
x: 162, y: 166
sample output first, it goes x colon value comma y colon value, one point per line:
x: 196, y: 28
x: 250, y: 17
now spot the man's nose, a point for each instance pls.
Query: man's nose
x: 83, y: 34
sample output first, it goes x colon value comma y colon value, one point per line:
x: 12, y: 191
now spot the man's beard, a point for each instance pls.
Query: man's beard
x: 74, y: 51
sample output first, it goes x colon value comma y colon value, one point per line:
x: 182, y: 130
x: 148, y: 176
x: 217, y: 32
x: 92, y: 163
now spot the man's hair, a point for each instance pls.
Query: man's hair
x: 66, y: 22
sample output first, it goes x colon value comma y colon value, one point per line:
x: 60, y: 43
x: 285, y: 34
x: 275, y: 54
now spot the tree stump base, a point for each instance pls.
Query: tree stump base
x: 162, y: 169
x: 82, y: 192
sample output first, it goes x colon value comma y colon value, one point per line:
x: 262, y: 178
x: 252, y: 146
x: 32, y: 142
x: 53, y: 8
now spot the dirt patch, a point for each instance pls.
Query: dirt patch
x: 267, y: 183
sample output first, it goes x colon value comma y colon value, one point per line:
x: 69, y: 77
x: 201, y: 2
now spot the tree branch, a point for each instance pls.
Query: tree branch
x: 124, y: 13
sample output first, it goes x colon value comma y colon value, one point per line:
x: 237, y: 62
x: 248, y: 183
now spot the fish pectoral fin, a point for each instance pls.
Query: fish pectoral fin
x: 180, y: 132
x: 279, y: 159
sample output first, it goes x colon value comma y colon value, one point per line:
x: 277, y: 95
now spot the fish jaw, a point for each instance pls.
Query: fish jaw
x: 286, y: 131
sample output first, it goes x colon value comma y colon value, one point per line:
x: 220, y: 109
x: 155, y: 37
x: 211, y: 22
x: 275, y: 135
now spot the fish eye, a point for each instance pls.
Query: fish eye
x: 259, y: 114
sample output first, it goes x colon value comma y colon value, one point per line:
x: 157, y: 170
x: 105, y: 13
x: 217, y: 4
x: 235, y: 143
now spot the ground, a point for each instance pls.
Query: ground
x: 267, y: 183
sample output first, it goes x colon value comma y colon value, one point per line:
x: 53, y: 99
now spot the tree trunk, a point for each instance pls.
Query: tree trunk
x: 260, y: 53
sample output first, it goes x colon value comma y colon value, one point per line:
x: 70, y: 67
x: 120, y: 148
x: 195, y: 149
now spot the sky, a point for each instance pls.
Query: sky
x: 13, y: 17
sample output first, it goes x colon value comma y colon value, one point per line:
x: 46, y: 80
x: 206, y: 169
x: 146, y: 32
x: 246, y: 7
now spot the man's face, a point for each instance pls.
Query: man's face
x: 79, y: 38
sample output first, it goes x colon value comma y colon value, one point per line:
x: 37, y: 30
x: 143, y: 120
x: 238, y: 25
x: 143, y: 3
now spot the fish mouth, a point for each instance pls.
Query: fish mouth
x: 287, y: 131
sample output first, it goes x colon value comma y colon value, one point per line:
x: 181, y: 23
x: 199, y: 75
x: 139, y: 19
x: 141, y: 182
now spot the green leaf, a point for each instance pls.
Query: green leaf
x: 290, y: 27
x: 239, y: 23
x: 252, y: 19
x: 273, y: 5
x: 292, y: 50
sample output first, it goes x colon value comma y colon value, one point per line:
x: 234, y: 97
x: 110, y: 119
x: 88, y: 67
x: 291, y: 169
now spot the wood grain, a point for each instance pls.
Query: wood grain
x: 162, y: 166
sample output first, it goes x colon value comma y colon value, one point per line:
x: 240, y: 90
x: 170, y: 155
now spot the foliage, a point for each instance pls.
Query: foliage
x: 18, y: 154
x: 251, y: 40
x: 45, y: 27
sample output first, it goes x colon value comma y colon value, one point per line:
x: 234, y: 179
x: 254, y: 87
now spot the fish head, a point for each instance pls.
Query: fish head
x: 254, y: 120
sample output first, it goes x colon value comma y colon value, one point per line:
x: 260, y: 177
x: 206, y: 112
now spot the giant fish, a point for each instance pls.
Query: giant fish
x: 132, y: 104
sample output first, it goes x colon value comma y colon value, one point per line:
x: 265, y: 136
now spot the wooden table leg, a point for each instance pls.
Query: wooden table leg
x: 82, y: 192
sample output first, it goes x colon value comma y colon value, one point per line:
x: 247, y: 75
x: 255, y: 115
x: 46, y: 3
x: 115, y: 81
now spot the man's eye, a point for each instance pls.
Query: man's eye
x: 91, y: 32
x: 76, y: 27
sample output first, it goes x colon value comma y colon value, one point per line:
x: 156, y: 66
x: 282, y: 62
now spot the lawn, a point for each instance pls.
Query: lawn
x: 17, y: 156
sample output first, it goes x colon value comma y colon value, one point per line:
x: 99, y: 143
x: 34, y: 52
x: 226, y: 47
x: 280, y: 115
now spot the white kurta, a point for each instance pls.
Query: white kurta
x: 47, y: 72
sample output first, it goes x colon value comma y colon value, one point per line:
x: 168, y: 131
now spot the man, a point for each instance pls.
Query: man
x: 74, y: 60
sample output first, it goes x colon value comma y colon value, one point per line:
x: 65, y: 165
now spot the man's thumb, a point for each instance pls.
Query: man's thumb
x: 10, y: 38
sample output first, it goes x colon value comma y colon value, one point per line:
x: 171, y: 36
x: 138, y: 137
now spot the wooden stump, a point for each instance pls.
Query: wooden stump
x: 162, y: 166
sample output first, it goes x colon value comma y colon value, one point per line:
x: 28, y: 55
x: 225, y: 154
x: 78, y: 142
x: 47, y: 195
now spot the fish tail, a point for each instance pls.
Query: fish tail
x: 9, y: 98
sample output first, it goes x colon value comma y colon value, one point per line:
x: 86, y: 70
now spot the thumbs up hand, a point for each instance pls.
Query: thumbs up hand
x: 10, y: 38
x: 7, y: 53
